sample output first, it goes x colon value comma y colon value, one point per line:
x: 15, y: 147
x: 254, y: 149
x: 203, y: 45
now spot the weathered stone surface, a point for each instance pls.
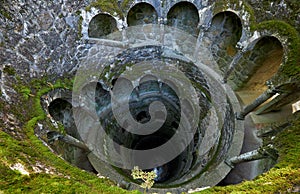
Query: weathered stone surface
x: 45, y: 20
x: 47, y: 39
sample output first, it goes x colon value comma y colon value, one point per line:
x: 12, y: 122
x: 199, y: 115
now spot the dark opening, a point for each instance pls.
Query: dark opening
x: 185, y: 16
x: 225, y: 32
x: 142, y: 13
x: 102, y: 25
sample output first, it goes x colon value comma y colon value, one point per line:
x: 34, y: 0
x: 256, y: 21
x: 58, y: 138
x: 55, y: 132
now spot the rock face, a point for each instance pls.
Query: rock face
x: 219, y: 47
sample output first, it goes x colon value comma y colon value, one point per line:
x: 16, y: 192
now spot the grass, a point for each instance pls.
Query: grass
x: 30, y: 151
x: 68, y: 179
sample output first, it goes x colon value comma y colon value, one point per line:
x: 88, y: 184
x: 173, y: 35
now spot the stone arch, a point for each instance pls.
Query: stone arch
x: 184, y: 15
x: 261, y: 63
x: 61, y: 110
x: 57, y: 108
x: 225, y: 32
x: 142, y: 13
x: 101, y: 25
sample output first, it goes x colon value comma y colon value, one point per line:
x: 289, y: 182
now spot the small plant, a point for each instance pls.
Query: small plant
x: 147, y: 177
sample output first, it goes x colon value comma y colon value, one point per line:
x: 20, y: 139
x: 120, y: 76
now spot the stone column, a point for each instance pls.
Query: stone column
x: 257, y: 102
x: 272, y: 130
x: 54, y: 135
x: 232, y: 65
x: 260, y: 153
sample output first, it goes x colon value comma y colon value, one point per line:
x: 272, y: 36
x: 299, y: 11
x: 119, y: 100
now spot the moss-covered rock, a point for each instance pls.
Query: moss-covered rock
x: 111, y: 6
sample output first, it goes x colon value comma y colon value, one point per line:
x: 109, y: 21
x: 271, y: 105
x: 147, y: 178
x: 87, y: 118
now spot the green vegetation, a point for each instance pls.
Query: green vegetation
x: 9, y: 70
x: 3, y: 11
x: 274, y: 181
x: 288, y: 145
x: 31, y: 153
x: 68, y: 180
x: 26, y: 92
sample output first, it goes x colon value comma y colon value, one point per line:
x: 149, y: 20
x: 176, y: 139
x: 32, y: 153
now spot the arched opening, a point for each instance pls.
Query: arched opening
x: 142, y: 13
x: 262, y: 64
x: 185, y: 16
x: 101, y: 25
x: 255, y: 68
x: 61, y: 111
x: 225, y: 32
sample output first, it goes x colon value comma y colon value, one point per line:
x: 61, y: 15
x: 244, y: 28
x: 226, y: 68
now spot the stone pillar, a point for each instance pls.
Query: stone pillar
x: 260, y: 153
x: 257, y: 102
x: 54, y: 136
x: 272, y: 130
x: 232, y: 65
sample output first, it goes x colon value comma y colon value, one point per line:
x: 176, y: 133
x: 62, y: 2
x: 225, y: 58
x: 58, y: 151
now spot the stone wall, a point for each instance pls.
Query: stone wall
x: 286, y: 10
x: 40, y: 38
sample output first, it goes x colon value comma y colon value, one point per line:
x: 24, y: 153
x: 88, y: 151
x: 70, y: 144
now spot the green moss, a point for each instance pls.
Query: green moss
x: 26, y: 92
x: 275, y: 181
x: 288, y: 145
x: 9, y: 70
x: 79, y: 35
x: 291, y: 67
x: 111, y: 6
x: 30, y: 150
x: 4, y: 12
x: 70, y: 180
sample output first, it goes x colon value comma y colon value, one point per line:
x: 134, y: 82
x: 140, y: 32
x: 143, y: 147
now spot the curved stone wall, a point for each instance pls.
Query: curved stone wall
x: 212, y: 42
x: 217, y: 137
